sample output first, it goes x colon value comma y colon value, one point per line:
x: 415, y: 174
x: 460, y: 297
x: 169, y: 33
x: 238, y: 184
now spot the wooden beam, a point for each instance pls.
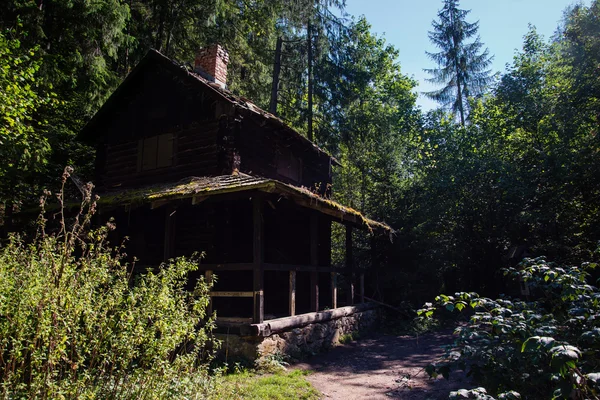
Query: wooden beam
x: 314, y: 261
x: 231, y: 294
x: 349, y: 265
x: 267, y: 267
x: 169, y: 232
x: 258, y: 259
x: 208, y: 278
x: 227, y: 267
x: 198, y: 199
x: 375, y: 265
x: 299, y: 268
x: 334, y: 290
x: 235, y: 320
x: 338, y: 215
x: 292, y: 304
x: 362, y: 288
x: 287, y: 323
x: 159, y: 203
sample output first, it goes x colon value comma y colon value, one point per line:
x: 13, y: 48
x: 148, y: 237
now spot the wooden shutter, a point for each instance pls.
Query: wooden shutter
x: 149, y: 155
x: 165, y: 151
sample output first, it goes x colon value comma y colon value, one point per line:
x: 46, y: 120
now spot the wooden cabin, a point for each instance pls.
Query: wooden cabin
x: 185, y: 166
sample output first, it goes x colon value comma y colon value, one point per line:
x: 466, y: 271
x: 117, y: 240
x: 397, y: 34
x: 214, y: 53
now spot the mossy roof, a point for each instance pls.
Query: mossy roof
x: 199, y: 187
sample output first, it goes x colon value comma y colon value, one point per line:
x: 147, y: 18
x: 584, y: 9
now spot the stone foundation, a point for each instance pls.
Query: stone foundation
x: 300, y: 341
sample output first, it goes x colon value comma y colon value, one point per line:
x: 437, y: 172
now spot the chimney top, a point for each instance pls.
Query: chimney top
x: 211, y: 63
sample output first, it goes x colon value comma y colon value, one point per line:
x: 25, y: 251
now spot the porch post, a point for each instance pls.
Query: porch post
x: 334, y: 290
x: 292, y: 310
x: 169, y: 231
x: 362, y: 287
x: 314, y: 261
x: 258, y: 259
x: 208, y: 278
x: 349, y: 265
x: 374, y: 264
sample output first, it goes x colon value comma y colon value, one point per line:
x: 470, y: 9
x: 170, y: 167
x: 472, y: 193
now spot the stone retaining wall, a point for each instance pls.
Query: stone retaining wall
x: 299, y: 342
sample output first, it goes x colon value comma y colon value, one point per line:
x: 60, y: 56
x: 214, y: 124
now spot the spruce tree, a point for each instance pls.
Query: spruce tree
x: 462, y: 66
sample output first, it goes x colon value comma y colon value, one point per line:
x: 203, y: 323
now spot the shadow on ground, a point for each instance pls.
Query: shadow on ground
x: 383, y: 367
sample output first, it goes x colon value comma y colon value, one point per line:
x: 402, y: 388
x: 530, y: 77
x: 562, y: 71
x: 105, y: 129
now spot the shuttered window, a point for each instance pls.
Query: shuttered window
x: 155, y: 152
x: 289, y: 165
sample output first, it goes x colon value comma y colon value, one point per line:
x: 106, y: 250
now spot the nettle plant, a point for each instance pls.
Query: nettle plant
x: 74, y: 322
x: 548, y: 347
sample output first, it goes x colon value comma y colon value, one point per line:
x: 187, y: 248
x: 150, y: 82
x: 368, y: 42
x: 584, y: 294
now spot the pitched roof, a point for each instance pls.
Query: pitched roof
x: 242, y: 104
x: 198, y: 188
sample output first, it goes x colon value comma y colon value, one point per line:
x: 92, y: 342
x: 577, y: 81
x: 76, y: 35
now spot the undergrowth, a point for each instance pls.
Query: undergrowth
x: 74, y: 323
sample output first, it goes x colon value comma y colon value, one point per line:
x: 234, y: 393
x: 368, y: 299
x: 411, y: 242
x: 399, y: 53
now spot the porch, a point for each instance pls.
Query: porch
x: 267, y: 243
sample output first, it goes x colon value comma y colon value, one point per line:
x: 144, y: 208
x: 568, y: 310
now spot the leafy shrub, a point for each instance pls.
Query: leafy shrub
x: 74, y: 323
x: 543, y: 348
x: 349, y: 337
x: 271, y: 363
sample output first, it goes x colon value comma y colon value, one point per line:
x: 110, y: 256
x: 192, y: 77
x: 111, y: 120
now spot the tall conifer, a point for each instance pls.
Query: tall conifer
x: 462, y: 67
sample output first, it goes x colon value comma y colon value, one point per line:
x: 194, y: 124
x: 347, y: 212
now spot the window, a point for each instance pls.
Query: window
x: 289, y: 165
x: 155, y: 152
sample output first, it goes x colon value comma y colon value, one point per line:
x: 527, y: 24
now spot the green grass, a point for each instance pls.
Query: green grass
x: 349, y: 337
x: 251, y: 386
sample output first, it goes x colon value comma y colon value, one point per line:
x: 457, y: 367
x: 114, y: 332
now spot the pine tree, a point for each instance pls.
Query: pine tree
x: 462, y: 66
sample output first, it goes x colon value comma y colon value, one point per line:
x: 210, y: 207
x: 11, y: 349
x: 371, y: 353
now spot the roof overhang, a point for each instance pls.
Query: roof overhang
x: 198, y: 189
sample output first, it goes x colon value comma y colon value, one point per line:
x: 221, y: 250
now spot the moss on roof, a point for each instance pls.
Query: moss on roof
x: 210, y: 186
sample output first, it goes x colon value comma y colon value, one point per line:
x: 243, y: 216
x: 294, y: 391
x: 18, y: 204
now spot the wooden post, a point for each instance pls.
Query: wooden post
x: 334, y: 290
x: 314, y: 261
x: 258, y: 259
x: 169, y: 232
x: 209, y: 280
x: 362, y: 287
x: 375, y: 268
x: 350, y: 265
x: 292, y: 293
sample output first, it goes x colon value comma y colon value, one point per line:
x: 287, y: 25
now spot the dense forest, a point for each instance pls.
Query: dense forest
x: 510, y: 169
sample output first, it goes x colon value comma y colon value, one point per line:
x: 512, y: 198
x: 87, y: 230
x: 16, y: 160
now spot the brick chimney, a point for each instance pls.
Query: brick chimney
x: 211, y: 63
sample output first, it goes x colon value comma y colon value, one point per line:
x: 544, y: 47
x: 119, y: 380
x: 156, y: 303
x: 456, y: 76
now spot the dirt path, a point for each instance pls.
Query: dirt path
x: 383, y: 367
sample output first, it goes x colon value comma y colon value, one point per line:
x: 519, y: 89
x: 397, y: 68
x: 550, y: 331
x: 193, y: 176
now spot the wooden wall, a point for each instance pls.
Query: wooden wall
x: 287, y: 234
x: 208, y: 137
x: 145, y: 233
x: 195, y: 154
x: 259, y: 147
x: 156, y: 103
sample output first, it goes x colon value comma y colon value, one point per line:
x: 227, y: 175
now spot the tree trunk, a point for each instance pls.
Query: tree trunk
x: 310, y: 82
x: 460, y: 103
x: 158, y: 42
x: 276, y: 72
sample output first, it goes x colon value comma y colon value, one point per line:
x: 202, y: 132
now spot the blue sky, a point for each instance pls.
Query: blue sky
x: 502, y: 24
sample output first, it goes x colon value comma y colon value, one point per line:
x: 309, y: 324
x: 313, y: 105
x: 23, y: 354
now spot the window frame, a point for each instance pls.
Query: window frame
x: 163, y: 148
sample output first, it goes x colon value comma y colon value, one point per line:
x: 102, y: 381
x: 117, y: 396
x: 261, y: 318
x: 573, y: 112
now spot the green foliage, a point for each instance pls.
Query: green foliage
x: 349, y: 337
x: 271, y: 363
x: 546, y: 347
x: 75, y: 324
x: 23, y: 146
x: 462, y: 65
x: 519, y: 180
x: 371, y: 118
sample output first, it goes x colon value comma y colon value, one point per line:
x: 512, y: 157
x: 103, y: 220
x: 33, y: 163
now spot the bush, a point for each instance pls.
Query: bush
x: 74, y: 323
x: 543, y: 348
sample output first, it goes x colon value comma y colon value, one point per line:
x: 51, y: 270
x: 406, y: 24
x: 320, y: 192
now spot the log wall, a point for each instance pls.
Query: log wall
x: 260, y: 146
